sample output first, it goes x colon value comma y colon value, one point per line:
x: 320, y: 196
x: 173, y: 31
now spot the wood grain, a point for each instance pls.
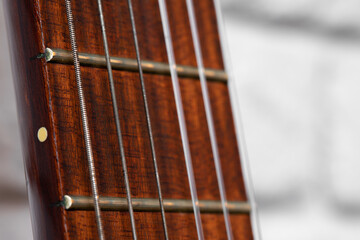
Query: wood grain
x: 47, y: 96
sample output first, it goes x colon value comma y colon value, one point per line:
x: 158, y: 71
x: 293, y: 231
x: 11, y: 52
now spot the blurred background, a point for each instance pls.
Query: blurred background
x: 297, y: 74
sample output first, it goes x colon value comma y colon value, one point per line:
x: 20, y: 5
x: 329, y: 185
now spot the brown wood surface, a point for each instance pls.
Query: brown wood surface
x: 47, y: 96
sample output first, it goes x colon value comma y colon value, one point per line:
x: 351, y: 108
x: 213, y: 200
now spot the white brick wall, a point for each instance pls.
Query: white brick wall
x: 298, y: 92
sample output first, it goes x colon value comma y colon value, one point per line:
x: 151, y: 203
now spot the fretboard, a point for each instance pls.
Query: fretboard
x: 88, y: 108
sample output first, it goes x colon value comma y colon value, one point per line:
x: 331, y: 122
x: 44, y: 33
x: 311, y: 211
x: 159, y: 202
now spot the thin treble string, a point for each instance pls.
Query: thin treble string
x: 84, y: 119
x: 117, y: 121
x: 181, y: 118
x: 238, y: 123
x: 209, y: 117
x: 148, y: 120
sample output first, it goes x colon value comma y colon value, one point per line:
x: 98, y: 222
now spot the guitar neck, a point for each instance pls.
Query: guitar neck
x: 138, y: 122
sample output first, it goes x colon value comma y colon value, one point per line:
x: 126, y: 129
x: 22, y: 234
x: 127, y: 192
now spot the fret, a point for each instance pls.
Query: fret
x: 71, y: 202
x: 56, y: 55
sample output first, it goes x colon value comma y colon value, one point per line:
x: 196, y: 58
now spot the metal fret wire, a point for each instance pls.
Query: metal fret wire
x: 117, y: 121
x: 238, y: 123
x: 209, y: 116
x: 148, y: 121
x: 181, y: 118
x: 84, y: 119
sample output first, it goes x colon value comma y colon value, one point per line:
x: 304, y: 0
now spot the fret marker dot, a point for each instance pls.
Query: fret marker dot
x: 42, y: 134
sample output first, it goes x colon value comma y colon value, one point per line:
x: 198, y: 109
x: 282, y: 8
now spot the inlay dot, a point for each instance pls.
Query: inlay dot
x: 42, y: 134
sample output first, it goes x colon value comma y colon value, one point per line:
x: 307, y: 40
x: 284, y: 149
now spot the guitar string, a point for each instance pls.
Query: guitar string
x: 147, y: 113
x: 83, y: 107
x: 117, y: 121
x: 238, y: 123
x: 181, y: 118
x: 84, y: 119
x: 209, y: 116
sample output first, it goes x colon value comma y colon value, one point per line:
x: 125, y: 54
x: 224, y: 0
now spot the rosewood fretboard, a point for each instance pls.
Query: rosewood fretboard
x: 55, y: 158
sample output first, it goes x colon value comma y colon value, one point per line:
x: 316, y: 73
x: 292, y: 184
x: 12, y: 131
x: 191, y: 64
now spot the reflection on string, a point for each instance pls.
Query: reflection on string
x: 181, y: 118
x: 117, y: 121
x: 148, y: 121
x: 209, y: 116
x: 238, y: 124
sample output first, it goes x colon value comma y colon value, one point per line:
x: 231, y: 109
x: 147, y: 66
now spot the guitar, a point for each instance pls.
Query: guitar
x: 126, y: 120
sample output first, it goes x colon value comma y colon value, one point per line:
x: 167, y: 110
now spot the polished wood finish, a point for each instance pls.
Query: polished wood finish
x: 47, y: 96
